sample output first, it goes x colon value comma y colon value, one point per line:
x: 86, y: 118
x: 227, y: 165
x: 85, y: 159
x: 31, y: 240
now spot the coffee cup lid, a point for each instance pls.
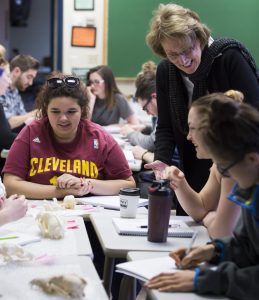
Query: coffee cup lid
x: 130, y: 191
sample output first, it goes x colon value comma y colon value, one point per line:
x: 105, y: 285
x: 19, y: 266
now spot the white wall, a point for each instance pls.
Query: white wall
x: 81, y: 57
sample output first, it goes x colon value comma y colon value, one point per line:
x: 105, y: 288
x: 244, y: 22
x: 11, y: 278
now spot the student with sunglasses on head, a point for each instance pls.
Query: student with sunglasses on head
x: 106, y: 102
x: 63, y: 152
x: 193, y: 65
x: 230, y: 132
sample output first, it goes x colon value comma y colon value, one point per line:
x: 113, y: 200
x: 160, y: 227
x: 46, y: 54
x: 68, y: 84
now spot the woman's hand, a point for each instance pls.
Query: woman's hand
x: 158, y: 167
x: 126, y: 129
x: 14, y: 208
x: 74, y: 185
x: 196, y: 256
x: 172, y: 282
x: 138, y: 152
x: 174, y: 175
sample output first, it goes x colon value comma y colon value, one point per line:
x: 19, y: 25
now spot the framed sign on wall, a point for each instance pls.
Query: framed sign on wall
x: 83, y: 36
x: 84, y: 4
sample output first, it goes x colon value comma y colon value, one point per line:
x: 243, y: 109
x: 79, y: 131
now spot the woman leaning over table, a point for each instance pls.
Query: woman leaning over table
x: 106, y: 103
x: 62, y: 152
x: 230, y: 132
x: 193, y: 66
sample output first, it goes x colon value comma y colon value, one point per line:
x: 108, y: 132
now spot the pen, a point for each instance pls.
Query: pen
x: 188, y: 250
x: 8, y: 237
x: 145, y: 226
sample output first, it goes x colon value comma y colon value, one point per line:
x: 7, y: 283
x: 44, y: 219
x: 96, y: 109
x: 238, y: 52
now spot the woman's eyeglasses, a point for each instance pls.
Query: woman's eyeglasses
x: 187, y: 52
x: 95, y: 82
x: 67, y: 81
x: 148, y: 101
x: 224, y: 171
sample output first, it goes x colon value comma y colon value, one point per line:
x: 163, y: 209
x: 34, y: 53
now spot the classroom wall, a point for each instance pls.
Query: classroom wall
x: 81, y: 57
x: 33, y: 39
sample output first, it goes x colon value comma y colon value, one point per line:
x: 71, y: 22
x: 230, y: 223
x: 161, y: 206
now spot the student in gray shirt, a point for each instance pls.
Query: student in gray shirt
x: 107, y: 104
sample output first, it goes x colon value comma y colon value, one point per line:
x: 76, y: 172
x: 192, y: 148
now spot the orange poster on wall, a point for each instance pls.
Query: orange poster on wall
x: 83, y: 36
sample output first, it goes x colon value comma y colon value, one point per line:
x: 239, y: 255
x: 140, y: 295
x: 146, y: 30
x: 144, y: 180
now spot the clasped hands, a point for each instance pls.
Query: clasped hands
x: 182, y: 281
x: 76, y: 186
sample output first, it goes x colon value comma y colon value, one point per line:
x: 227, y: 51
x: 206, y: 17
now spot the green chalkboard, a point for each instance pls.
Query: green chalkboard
x: 128, y: 24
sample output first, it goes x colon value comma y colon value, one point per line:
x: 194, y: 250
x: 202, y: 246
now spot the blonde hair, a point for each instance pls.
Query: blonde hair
x: 174, y: 21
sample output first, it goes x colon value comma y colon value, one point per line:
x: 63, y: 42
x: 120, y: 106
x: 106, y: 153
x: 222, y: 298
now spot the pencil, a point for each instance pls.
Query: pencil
x: 8, y: 237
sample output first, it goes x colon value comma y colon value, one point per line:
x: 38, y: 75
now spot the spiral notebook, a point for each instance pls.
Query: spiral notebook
x: 138, y: 227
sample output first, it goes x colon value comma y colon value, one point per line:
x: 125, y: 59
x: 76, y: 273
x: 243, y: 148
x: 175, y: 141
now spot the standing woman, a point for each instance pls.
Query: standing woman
x: 62, y: 152
x: 193, y: 66
x: 106, y: 102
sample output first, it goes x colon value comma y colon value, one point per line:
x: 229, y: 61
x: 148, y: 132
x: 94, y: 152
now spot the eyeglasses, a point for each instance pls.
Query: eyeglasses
x: 224, y: 171
x: 95, y: 82
x: 186, y: 52
x: 148, y: 101
x: 67, y: 81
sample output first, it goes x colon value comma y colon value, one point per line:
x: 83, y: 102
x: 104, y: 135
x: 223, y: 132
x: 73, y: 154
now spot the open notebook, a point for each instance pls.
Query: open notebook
x: 145, y: 269
x: 110, y: 202
x: 177, y: 228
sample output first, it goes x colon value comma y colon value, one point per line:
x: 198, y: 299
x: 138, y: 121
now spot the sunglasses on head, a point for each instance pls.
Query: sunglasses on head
x: 67, y: 81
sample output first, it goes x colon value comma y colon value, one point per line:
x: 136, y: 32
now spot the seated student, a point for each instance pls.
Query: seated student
x: 146, y: 95
x: 23, y: 70
x: 107, y: 104
x: 210, y: 205
x: 64, y: 153
x: 6, y: 135
x: 230, y: 133
x: 12, y: 208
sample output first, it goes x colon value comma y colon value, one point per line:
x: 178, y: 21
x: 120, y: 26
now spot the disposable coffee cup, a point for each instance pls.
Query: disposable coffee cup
x: 129, y: 199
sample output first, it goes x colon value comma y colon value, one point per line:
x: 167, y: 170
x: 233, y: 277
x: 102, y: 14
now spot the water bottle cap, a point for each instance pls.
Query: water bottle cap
x: 159, y: 187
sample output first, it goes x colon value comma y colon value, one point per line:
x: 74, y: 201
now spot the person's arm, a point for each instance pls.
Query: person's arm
x: 132, y: 119
x: 143, y: 154
x: 16, y: 121
x: 165, y: 140
x: 92, y: 99
x: 6, y: 135
x: 222, y: 221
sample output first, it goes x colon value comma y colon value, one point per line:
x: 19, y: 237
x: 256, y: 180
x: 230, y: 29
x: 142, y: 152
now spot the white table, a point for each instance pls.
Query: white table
x: 75, y: 241
x: 117, y: 246
x: 130, y: 283
x: 15, y: 284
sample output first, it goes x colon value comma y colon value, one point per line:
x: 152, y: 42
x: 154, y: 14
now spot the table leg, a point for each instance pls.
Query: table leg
x: 108, y: 273
x: 127, y: 288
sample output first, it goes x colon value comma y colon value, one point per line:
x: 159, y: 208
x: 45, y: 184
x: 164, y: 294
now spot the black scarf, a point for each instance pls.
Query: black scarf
x: 177, y: 91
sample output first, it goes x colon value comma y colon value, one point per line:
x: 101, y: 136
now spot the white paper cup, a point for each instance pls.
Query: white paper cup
x: 129, y: 199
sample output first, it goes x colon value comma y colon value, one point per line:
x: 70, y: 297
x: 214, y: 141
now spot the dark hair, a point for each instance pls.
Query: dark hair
x: 230, y: 129
x: 146, y: 81
x: 24, y: 62
x: 111, y: 87
x: 47, y: 93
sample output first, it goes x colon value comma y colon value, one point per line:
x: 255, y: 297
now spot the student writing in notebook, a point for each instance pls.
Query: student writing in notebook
x: 63, y: 152
x: 210, y: 205
x: 230, y: 131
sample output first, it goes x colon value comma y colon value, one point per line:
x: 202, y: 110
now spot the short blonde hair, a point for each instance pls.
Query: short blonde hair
x: 174, y: 21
